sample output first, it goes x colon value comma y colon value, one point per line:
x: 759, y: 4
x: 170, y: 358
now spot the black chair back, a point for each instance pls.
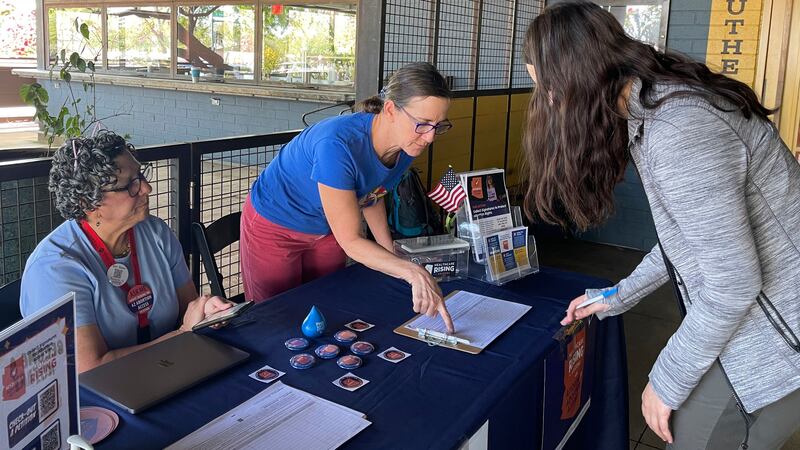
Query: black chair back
x: 9, y: 304
x: 210, y: 240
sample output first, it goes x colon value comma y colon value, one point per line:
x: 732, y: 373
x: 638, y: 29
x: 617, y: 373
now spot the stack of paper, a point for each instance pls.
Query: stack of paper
x: 279, y: 417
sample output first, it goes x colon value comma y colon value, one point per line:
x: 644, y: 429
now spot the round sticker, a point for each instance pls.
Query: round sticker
x: 362, y: 348
x: 350, y: 382
x: 267, y: 374
x: 394, y: 355
x: 140, y: 299
x: 296, y: 343
x: 302, y: 361
x: 327, y: 351
x: 345, y: 336
x: 117, y: 274
x: 349, y: 362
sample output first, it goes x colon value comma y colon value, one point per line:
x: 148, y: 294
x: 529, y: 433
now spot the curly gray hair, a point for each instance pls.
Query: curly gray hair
x: 82, y: 167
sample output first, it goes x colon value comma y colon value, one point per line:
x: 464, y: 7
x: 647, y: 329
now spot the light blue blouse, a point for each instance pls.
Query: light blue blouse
x: 65, y: 261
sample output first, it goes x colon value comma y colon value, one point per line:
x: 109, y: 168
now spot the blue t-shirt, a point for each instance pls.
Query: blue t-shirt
x: 65, y: 261
x: 336, y: 152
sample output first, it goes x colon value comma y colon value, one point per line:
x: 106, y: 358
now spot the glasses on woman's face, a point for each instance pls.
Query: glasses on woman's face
x: 135, y: 185
x: 425, y: 127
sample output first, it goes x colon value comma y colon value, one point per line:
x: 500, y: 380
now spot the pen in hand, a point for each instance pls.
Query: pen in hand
x: 604, y: 294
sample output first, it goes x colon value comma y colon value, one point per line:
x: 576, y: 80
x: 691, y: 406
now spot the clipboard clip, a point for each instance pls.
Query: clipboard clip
x: 437, y: 338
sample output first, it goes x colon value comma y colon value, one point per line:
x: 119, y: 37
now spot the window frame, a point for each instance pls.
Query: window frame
x: 663, y: 25
x: 260, y: 5
x: 104, y: 26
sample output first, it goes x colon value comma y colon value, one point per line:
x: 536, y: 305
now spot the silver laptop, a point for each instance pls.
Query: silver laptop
x: 144, y: 378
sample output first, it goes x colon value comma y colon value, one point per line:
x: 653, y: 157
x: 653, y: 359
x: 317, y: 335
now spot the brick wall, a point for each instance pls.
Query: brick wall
x: 159, y: 116
x: 688, y: 27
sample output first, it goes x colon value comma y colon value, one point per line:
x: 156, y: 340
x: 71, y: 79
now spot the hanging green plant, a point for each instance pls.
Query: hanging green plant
x: 72, y: 119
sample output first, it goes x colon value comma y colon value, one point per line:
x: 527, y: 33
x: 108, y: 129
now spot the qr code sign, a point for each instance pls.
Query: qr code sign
x: 48, y: 401
x: 51, y: 438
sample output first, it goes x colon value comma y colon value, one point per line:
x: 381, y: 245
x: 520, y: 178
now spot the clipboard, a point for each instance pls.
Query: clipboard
x: 402, y: 330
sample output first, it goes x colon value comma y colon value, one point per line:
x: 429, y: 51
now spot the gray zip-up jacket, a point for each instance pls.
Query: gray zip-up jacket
x: 725, y: 196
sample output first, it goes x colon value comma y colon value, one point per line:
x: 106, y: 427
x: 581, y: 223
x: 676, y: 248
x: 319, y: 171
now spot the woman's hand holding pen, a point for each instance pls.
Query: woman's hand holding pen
x: 575, y: 313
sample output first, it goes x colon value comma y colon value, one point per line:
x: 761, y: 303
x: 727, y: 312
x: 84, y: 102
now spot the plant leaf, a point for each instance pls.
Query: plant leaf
x: 25, y: 93
x: 90, y: 65
x: 63, y: 54
x: 81, y: 65
x: 41, y: 92
x: 73, y: 58
x: 66, y: 76
x: 84, y: 30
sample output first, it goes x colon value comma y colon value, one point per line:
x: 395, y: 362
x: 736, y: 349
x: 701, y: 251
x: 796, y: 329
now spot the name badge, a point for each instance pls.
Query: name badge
x: 140, y: 299
x: 117, y: 274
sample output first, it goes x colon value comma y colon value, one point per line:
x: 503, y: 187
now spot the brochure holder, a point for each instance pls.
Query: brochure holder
x: 494, y: 264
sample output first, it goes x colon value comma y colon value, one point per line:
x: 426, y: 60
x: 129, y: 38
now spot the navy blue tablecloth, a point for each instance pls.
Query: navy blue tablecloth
x: 435, y: 399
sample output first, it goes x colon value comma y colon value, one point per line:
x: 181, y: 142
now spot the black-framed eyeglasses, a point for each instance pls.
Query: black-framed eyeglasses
x: 135, y: 185
x: 425, y: 127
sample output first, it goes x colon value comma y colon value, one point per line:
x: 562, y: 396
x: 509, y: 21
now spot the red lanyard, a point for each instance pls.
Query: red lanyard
x: 108, y: 258
x: 139, y: 298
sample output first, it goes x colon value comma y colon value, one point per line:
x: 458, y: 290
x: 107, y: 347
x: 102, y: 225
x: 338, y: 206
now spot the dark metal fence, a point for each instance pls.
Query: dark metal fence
x: 192, y: 182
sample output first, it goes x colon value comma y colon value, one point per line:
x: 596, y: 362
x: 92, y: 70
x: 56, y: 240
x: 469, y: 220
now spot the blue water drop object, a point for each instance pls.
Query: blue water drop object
x: 314, y: 323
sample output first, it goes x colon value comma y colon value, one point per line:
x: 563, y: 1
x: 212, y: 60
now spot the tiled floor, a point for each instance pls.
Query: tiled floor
x: 648, y: 326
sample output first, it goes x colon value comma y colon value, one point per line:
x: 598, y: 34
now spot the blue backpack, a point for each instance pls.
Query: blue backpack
x: 409, y: 211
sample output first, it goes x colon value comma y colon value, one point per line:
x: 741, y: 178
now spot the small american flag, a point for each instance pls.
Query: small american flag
x: 448, y: 193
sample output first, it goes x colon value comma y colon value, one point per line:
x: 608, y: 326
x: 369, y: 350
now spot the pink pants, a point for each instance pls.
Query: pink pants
x: 274, y: 259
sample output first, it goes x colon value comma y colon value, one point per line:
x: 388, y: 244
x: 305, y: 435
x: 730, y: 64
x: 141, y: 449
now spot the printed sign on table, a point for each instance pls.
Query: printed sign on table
x: 39, y: 406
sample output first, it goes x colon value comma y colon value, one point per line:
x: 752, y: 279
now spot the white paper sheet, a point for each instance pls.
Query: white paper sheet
x: 279, y: 417
x: 477, y: 318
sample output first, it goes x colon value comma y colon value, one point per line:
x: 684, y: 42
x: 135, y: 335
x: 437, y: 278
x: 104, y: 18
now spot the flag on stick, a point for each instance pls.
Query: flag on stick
x: 448, y: 193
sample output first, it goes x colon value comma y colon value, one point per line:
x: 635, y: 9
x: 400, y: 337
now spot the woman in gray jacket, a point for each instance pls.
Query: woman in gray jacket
x: 725, y: 196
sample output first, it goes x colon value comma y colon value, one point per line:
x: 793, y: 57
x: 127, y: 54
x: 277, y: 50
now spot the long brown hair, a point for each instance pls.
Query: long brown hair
x: 576, y: 139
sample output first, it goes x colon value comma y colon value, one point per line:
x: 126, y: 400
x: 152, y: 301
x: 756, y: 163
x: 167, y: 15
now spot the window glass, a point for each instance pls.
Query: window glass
x: 645, y: 21
x: 139, y: 39
x: 63, y: 33
x: 309, y: 44
x: 218, y: 39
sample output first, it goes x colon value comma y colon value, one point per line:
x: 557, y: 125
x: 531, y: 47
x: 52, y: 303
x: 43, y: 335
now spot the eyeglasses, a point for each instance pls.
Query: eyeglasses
x: 135, y: 185
x: 424, y: 127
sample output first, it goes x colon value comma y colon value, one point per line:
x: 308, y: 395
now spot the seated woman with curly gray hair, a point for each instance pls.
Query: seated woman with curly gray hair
x: 125, y: 266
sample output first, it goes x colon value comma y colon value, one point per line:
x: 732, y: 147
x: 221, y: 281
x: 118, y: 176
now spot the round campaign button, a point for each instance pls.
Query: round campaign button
x: 327, y: 351
x: 140, y: 299
x: 117, y: 274
x: 302, y: 361
x: 295, y: 344
x: 362, y: 348
x: 349, y: 362
x: 345, y: 336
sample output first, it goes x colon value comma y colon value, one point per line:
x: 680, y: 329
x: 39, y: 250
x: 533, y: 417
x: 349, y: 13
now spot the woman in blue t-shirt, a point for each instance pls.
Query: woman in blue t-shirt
x: 304, y: 212
x: 125, y: 266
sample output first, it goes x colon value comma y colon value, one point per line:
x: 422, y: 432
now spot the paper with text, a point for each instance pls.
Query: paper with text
x: 279, y: 417
x: 477, y: 318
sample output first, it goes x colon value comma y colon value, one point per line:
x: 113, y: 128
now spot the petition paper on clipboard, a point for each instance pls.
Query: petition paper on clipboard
x: 477, y: 318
